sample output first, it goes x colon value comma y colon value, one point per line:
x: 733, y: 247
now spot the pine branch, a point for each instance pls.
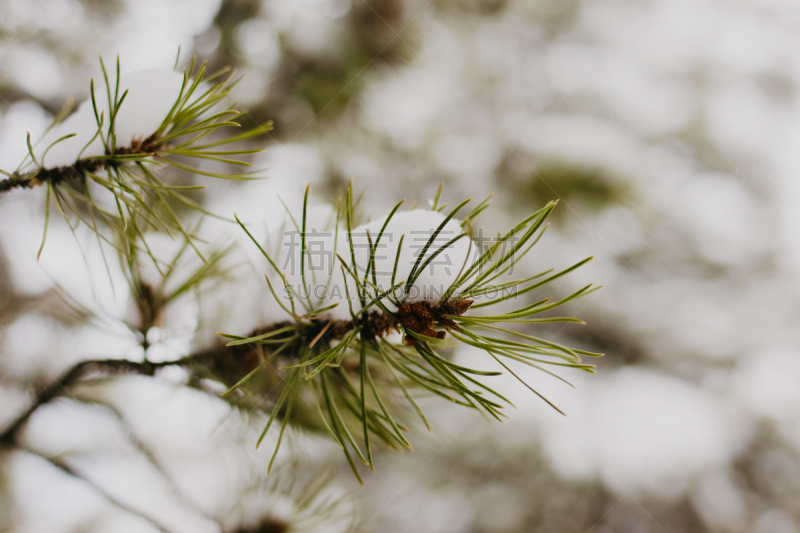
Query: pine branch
x: 58, y: 387
x: 222, y: 363
x: 150, y: 146
x: 349, y: 364
x: 217, y: 363
x: 191, y: 132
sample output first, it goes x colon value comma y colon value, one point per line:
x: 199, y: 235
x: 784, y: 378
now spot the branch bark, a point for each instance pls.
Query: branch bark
x: 78, y: 170
x: 228, y: 365
x: 106, y: 367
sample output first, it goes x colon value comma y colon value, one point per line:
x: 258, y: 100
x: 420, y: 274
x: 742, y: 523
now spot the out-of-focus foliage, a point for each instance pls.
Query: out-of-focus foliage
x: 585, y: 189
x: 306, y: 59
x: 401, y: 291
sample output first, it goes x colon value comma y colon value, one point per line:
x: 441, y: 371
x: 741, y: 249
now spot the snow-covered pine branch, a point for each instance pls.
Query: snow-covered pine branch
x: 120, y: 138
x: 149, y: 96
x: 396, y: 244
x: 348, y: 291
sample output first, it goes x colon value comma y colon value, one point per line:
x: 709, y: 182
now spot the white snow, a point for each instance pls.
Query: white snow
x: 416, y: 226
x: 632, y: 428
x: 636, y: 429
x: 151, y: 95
x: 404, y: 107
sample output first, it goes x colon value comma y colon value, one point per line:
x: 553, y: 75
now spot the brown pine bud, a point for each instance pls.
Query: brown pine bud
x: 408, y: 340
x: 423, y: 312
x: 457, y: 308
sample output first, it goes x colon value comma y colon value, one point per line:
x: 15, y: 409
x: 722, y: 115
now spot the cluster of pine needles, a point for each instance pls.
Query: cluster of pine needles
x: 352, y: 371
x: 124, y: 189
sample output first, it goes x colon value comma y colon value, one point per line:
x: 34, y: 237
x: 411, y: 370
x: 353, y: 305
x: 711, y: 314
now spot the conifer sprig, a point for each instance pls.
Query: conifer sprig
x: 354, y: 371
x: 124, y: 187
